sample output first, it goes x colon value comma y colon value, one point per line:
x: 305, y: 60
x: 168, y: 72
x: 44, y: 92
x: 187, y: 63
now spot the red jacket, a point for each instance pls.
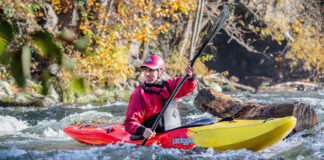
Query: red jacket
x: 142, y: 105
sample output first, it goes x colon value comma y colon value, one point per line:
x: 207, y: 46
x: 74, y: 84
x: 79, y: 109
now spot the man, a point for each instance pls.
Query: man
x: 147, y: 101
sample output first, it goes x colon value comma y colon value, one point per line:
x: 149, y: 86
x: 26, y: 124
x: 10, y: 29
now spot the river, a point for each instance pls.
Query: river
x: 37, y: 133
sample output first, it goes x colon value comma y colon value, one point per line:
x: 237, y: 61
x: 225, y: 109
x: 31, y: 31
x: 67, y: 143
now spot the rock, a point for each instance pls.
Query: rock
x: 99, y: 92
x: 295, y: 86
x: 305, y: 114
x: 204, y: 81
x: 234, y: 79
x: 5, y: 87
x: 2, y: 94
x: 222, y: 105
x: 217, y: 103
x: 212, y: 85
x: 244, y: 87
x: 52, y: 94
x: 53, y: 69
x: 216, y: 87
x: 21, y: 100
x: 226, y: 85
x: 51, y: 19
x: 132, y: 84
x: 75, y: 18
x: 137, y: 63
x: 135, y: 47
x: 229, y: 88
x: 256, y: 81
x: 87, y: 98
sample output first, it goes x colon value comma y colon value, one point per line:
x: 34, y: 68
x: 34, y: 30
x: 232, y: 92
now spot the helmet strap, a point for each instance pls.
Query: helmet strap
x: 159, y: 76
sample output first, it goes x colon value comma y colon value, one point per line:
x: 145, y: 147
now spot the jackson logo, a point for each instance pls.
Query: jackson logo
x: 184, y: 141
x: 148, y: 59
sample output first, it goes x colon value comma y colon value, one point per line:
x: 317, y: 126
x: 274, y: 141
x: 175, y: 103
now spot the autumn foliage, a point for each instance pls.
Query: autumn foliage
x: 305, y: 37
x: 92, y: 39
x: 110, y: 32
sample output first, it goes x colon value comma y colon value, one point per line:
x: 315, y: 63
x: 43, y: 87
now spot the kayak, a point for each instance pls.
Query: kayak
x: 220, y: 134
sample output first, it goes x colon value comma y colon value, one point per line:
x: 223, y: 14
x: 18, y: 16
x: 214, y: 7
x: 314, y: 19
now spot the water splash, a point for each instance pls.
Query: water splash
x: 10, y: 124
x: 44, y: 139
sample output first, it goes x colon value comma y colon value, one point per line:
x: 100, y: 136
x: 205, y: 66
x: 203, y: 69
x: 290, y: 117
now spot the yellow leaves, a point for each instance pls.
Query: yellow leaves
x: 225, y: 73
x: 175, y: 17
x: 207, y: 57
x: 176, y: 63
x: 266, y: 31
x: 108, y: 65
x: 308, y: 47
x: 61, y: 5
x: 106, y: 60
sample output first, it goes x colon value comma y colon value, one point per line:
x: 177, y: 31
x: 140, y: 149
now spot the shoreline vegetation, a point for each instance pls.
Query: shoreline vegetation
x: 13, y: 96
x: 88, y: 51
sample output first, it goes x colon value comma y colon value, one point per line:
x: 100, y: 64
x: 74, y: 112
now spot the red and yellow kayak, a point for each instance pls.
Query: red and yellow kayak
x: 253, y: 135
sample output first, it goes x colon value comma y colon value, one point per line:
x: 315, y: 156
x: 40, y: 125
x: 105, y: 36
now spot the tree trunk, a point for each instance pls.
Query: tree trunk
x: 186, y: 37
x: 196, y: 28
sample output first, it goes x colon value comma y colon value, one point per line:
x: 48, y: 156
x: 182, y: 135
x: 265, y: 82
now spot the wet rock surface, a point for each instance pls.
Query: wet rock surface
x: 217, y: 103
x: 221, y: 105
x: 11, y: 98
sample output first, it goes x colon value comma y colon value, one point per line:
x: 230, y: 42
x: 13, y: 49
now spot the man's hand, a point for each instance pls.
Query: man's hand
x: 189, y: 71
x: 148, y: 133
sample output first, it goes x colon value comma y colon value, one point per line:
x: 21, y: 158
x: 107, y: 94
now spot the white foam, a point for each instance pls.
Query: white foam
x: 89, y: 106
x: 88, y: 117
x: 198, y: 116
x: 321, y: 92
x: 11, y: 124
x: 50, y: 133
x: 120, y: 103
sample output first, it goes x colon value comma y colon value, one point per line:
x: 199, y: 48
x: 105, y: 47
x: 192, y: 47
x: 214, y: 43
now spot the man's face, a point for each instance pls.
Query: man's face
x: 151, y: 75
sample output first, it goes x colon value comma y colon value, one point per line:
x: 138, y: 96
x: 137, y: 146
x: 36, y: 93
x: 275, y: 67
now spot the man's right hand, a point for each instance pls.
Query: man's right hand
x: 148, y: 133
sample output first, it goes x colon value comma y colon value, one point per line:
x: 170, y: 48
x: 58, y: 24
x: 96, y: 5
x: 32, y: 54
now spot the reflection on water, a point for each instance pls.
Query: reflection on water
x: 29, y: 133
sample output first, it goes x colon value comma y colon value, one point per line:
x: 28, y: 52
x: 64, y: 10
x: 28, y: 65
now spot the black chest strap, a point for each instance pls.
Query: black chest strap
x: 164, y: 84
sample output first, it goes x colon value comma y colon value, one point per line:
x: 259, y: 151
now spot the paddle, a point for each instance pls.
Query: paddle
x: 207, y: 39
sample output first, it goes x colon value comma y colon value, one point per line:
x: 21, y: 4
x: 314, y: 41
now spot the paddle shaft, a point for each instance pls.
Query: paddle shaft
x: 215, y: 29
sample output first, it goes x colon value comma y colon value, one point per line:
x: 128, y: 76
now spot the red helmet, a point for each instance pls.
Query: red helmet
x: 154, y: 62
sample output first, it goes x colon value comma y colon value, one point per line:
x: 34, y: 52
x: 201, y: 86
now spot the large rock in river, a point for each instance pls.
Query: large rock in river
x: 217, y: 103
x: 221, y: 105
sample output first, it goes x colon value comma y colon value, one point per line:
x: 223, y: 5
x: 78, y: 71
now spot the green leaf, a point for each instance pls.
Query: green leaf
x: 232, y: 11
x: 17, y: 70
x: 6, y: 30
x: 44, y: 43
x: 26, y: 58
x: 45, y: 82
x: 4, y: 54
x: 78, y: 84
x: 252, y: 19
x: 82, y: 44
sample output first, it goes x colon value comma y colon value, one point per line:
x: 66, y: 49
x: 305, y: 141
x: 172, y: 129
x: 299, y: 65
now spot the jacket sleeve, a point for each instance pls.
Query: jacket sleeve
x: 188, y: 86
x: 135, y: 113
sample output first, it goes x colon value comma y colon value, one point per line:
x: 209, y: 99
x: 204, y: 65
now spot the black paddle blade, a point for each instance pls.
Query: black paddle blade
x: 212, y: 32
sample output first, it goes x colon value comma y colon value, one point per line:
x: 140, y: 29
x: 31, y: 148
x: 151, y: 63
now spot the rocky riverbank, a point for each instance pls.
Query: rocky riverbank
x: 11, y: 95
